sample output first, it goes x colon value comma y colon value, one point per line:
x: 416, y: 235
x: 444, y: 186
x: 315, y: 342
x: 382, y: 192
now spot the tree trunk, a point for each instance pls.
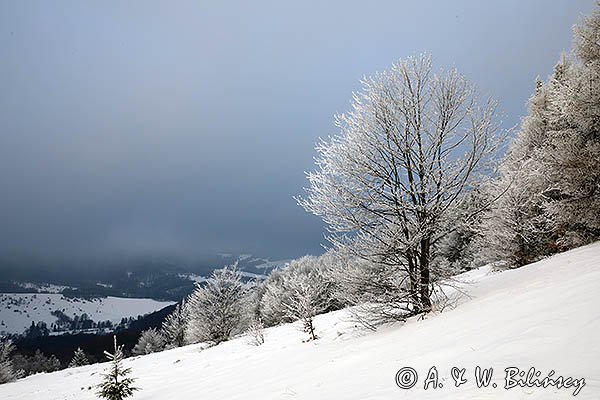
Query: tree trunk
x: 310, y: 328
x: 425, y: 275
x: 414, y: 284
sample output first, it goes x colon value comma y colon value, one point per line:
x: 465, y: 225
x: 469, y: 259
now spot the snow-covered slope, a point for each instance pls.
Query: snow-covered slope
x: 17, y: 310
x: 544, y: 315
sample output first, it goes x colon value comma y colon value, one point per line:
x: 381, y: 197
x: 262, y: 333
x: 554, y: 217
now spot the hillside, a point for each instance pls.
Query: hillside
x: 542, y: 315
x: 159, y: 279
x: 18, y: 310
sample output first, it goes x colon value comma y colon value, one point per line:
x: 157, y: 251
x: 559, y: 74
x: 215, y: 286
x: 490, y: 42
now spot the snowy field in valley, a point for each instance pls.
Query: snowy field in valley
x: 543, y: 315
x: 17, y: 310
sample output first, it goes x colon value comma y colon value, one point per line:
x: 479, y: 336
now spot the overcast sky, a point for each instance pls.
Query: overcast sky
x: 186, y: 127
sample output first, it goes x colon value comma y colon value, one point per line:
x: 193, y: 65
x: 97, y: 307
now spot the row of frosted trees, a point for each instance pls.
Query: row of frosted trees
x: 551, y: 175
x: 226, y: 306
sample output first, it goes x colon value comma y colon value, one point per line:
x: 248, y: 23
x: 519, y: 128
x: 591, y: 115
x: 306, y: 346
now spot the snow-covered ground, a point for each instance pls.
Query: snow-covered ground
x: 543, y: 315
x: 42, y: 287
x: 271, y: 265
x: 201, y: 279
x: 17, y: 310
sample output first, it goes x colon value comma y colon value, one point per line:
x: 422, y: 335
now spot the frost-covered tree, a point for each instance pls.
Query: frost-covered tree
x: 306, y: 300
x: 517, y: 230
x: 414, y: 142
x: 376, y: 291
x: 308, y: 296
x: 217, y: 310
x: 116, y: 384
x: 551, y: 175
x: 79, y: 359
x: 272, y: 293
x: 587, y: 39
x: 150, y: 341
x: 8, y: 372
x: 173, y: 327
x: 458, y: 251
x: 275, y: 291
x: 255, y: 333
x: 574, y: 154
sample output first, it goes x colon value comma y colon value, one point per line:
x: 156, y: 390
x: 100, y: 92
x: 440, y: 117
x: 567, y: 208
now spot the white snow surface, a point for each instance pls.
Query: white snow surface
x: 544, y: 315
x: 43, y: 287
x: 17, y: 310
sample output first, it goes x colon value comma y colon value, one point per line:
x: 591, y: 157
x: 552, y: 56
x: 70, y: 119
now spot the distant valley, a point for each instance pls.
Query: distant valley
x: 53, y: 314
x: 107, y: 299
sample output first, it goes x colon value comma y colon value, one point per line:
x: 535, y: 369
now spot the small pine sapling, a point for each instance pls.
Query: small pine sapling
x: 79, y: 359
x: 116, y: 385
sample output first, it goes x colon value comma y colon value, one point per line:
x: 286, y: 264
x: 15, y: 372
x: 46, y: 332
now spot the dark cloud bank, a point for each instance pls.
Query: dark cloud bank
x: 172, y: 128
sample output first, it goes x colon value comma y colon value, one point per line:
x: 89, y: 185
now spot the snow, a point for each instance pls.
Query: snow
x: 193, y: 277
x: 252, y: 275
x: 17, y: 310
x: 105, y: 285
x: 271, y: 265
x: 42, y: 288
x: 543, y: 315
x: 201, y: 279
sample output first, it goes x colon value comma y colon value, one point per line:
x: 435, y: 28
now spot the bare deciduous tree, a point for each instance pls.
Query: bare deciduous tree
x: 413, y: 143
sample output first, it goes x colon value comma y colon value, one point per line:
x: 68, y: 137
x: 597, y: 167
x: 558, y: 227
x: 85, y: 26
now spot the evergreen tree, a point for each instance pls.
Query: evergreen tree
x: 519, y: 229
x: 53, y: 364
x: 549, y: 185
x: 40, y: 363
x: 574, y: 154
x: 116, y: 384
x: 79, y: 359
